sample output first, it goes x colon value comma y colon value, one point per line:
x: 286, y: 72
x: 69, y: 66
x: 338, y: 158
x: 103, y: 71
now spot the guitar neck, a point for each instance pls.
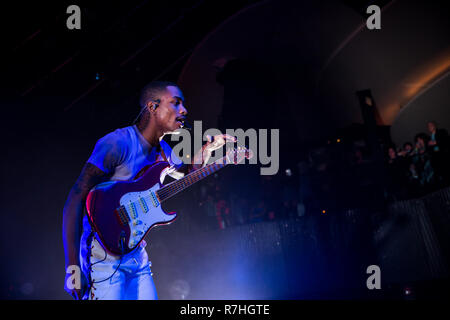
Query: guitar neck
x: 177, y: 186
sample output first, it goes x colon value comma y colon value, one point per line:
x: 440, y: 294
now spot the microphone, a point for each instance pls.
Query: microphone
x: 186, y: 125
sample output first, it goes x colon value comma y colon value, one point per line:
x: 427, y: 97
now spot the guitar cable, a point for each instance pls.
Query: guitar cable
x: 122, y: 240
x: 145, y: 107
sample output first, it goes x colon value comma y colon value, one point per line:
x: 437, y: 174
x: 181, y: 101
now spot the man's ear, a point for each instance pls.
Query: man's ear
x: 152, y: 105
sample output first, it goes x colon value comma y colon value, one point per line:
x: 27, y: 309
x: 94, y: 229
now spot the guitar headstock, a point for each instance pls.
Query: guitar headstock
x: 236, y: 155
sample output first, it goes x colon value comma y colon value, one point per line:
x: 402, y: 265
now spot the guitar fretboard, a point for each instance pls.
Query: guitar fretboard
x: 174, y: 187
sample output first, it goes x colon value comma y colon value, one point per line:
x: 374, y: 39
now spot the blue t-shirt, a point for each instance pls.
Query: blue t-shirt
x: 123, y: 153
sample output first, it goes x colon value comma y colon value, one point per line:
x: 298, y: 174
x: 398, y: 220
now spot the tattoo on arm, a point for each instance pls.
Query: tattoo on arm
x: 73, y: 210
x: 89, y: 177
x: 114, y: 155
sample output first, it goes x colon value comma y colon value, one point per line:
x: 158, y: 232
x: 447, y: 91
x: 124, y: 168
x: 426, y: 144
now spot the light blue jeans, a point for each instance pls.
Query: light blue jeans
x: 132, y: 280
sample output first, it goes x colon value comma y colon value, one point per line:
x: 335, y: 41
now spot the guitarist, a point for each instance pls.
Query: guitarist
x: 120, y: 155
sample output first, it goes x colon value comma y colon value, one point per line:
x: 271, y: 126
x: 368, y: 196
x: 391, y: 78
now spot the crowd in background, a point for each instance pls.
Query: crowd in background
x: 273, y: 200
x: 333, y: 178
x: 417, y: 169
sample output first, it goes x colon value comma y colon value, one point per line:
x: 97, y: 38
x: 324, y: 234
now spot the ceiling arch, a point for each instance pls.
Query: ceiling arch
x: 325, y: 56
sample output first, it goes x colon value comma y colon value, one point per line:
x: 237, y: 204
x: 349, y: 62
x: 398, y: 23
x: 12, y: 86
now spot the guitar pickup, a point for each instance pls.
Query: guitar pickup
x: 143, y: 204
x: 154, y: 199
x: 133, y: 210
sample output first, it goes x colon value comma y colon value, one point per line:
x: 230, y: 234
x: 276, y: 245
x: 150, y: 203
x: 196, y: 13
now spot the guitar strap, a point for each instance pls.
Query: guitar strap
x: 161, y: 150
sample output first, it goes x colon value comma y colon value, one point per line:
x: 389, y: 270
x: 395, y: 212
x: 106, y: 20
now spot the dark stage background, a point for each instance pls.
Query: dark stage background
x: 308, y: 232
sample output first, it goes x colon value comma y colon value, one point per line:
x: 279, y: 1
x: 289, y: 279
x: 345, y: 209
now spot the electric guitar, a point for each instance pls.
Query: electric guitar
x: 123, y: 212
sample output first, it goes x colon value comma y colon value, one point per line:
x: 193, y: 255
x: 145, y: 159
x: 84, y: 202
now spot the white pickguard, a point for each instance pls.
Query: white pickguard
x: 143, y: 213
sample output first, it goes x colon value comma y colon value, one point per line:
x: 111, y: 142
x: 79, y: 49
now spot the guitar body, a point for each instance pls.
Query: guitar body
x: 123, y: 212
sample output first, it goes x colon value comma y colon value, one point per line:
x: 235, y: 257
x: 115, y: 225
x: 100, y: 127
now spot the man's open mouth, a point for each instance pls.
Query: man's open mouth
x: 181, y: 120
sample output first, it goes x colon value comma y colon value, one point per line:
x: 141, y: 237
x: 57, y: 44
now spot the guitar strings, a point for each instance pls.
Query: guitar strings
x: 173, y: 188
x: 178, y: 185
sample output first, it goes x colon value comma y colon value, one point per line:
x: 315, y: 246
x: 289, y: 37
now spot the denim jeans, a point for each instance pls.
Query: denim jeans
x: 132, y: 281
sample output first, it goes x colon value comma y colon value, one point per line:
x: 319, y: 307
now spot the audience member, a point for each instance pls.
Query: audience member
x: 335, y: 178
x: 439, y: 151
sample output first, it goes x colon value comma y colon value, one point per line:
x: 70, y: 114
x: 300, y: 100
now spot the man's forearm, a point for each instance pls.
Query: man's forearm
x: 199, y: 158
x: 72, y: 228
x: 73, y: 210
x: 196, y: 163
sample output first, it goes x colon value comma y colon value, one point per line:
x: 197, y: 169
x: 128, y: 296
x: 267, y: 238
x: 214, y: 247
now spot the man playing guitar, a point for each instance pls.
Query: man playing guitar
x: 120, y: 156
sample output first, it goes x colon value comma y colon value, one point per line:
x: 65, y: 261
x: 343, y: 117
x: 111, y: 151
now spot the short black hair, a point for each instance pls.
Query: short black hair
x: 422, y: 136
x: 407, y: 144
x: 153, y: 91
